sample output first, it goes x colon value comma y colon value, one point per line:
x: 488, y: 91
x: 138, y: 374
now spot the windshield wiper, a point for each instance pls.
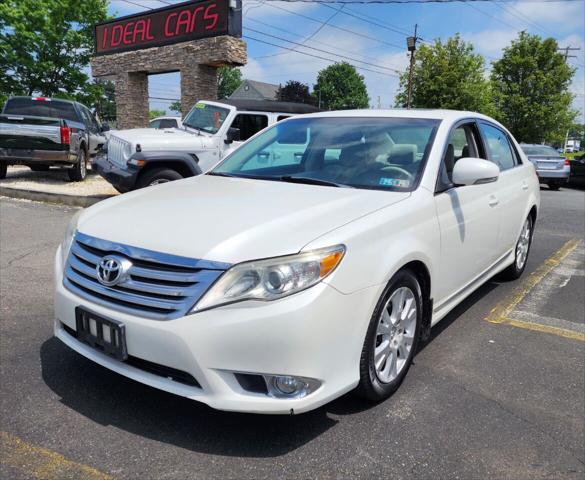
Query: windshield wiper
x: 312, y: 181
x: 198, y: 130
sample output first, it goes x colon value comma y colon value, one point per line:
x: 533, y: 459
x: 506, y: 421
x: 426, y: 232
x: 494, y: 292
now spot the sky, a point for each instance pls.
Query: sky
x: 374, y: 37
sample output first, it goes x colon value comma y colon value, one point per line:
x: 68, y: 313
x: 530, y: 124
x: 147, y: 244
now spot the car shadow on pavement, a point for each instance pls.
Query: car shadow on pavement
x: 108, y: 398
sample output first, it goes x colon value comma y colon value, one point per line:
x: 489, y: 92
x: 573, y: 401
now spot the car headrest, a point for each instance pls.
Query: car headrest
x: 403, y: 154
x: 354, y: 154
x: 465, y: 151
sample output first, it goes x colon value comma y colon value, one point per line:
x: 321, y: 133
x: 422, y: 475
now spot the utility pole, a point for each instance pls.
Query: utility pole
x: 411, y: 45
x: 567, y: 50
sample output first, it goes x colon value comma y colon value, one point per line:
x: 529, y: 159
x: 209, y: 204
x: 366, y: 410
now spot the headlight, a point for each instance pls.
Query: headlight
x: 69, y: 235
x: 272, y: 278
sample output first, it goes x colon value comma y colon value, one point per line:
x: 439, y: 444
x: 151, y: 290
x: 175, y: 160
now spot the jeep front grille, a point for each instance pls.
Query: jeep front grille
x: 157, y: 285
x: 116, y: 147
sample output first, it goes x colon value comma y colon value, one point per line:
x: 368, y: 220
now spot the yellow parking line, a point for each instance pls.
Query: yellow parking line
x: 500, y: 313
x: 41, y: 463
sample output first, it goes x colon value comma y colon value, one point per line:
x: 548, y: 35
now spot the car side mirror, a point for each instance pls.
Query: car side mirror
x: 233, y: 135
x: 105, y: 127
x: 474, y: 171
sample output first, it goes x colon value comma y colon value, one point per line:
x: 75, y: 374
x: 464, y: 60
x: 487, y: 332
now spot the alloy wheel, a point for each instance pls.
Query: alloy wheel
x: 523, y: 245
x: 395, y: 334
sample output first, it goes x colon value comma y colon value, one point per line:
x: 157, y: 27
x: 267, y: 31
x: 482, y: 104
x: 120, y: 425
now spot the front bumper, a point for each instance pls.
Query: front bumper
x: 36, y: 157
x: 123, y: 179
x: 317, y: 333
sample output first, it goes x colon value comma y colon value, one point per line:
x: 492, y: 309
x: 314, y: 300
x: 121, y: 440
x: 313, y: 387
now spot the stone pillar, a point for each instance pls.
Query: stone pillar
x: 132, y: 99
x: 198, y: 82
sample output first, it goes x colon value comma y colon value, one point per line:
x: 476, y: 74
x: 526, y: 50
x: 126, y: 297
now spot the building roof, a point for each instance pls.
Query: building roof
x: 266, y: 91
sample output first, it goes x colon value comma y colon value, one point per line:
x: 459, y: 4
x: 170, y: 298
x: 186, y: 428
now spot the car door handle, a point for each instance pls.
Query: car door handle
x: 524, y: 186
x: 493, y: 201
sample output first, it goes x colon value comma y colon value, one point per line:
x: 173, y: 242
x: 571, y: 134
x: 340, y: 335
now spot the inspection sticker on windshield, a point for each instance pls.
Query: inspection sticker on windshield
x: 199, y: 105
x: 394, y: 182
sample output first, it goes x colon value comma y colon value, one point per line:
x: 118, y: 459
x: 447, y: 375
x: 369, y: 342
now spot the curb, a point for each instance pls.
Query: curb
x: 58, y: 198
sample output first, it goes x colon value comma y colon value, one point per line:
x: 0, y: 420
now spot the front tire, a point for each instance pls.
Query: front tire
x: 158, y: 176
x: 79, y: 171
x: 392, y: 337
x: 521, y: 251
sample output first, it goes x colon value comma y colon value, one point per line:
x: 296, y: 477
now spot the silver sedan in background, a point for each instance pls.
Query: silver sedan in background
x: 552, y: 168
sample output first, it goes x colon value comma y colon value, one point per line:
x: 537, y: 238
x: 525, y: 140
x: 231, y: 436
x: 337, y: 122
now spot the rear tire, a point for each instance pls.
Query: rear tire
x: 3, y: 170
x: 79, y: 171
x: 157, y: 176
x: 39, y: 168
x: 392, y: 337
x: 521, y: 251
x: 554, y: 186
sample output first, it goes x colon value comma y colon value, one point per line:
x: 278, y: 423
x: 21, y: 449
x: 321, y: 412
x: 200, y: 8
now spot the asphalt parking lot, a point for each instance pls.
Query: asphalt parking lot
x: 498, y: 391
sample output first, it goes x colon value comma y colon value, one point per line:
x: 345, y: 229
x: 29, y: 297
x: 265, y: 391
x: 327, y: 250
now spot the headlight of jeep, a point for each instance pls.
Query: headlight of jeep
x: 127, y: 151
x: 272, y: 278
x: 69, y: 235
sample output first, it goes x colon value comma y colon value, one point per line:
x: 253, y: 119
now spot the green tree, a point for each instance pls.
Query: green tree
x: 447, y: 75
x: 294, y: 91
x: 228, y: 79
x: 175, y: 107
x: 531, y: 90
x: 340, y: 88
x: 45, y: 47
x: 156, y: 113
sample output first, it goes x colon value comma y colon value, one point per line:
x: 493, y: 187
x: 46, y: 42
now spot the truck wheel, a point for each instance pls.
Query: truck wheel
x: 554, y: 185
x: 79, y: 171
x: 158, y: 176
x: 39, y: 168
x: 3, y: 169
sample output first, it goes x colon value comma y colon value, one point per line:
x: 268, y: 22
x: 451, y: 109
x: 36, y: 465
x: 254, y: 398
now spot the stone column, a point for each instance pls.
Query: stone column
x: 198, y: 82
x: 132, y: 99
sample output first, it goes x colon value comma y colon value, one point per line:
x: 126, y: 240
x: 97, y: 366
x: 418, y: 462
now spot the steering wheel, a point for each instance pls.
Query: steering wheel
x: 405, y: 173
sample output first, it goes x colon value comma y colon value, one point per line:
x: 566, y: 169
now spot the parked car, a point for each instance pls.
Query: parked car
x: 42, y: 132
x: 552, y: 168
x: 165, y: 122
x: 142, y: 157
x: 578, y: 166
x: 277, y: 287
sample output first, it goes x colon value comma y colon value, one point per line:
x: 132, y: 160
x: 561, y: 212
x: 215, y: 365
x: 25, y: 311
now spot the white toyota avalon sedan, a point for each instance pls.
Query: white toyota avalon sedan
x: 308, y: 263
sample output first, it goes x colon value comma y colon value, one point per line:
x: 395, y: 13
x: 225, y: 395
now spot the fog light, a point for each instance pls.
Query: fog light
x: 287, y: 386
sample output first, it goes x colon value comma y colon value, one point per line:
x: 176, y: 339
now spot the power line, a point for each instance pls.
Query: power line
x: 510, y: 9
x: 382, y: 2
x: 247, y: 37
x: 323, y: 51
x: 342, y: 29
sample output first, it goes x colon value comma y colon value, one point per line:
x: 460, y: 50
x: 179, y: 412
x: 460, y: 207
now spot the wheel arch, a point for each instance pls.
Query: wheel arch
x: 176, y: 165
x: 422, y: 273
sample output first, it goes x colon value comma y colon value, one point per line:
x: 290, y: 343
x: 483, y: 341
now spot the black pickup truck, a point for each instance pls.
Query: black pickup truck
x: 42, y: 132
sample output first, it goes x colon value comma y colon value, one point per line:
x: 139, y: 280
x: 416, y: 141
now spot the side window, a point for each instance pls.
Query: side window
x: 249, y: 124
x: 463, y: 142
x: 154, y: 124
x: 167, y: 123
x: 499, y: 148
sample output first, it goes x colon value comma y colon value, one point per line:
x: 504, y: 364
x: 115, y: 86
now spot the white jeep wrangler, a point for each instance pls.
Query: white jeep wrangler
x: 140, y: 157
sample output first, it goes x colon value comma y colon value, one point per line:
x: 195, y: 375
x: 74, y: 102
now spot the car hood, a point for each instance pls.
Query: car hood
x: 162, y: 139
x: 229, y: 219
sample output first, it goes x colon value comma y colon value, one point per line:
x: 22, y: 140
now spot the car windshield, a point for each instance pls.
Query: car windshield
x: 373, y: 153
x: 540, y: 150
x: 205, y: 117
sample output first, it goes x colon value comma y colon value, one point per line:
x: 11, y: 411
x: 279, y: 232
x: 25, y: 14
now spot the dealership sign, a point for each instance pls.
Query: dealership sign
x: 178, y: 23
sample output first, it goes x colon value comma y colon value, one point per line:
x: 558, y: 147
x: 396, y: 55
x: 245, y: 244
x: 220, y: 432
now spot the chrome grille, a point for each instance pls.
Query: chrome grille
x: 116, y: 147
x: 158, y: 285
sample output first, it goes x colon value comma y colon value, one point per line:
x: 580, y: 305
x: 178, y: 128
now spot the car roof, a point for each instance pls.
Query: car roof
x: 167, y: 117
x: 434, y: 114
x: 65, y: 100
x: 269, y: 106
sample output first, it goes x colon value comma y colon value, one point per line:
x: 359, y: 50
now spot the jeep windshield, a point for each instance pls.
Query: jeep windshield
x: 206, y: 118
x: 373, y: 153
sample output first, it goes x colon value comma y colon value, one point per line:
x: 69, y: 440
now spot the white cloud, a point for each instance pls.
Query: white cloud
x: 551, y: 15
x: 490, y: 42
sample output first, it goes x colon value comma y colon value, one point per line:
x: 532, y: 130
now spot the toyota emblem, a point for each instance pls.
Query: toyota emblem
x: 112, y: 270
